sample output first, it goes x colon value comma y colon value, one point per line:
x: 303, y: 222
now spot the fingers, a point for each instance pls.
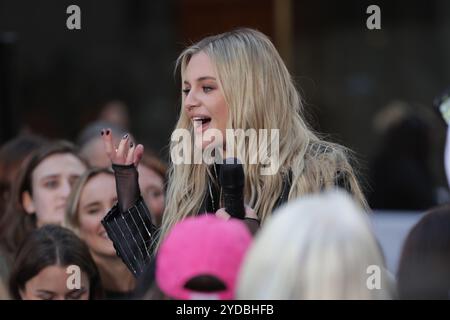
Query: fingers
x: 130, y: 154
x: 221, y: 213
x: 138, y: 153
x: 108, y: 142
x: 249, y: 213
x: 125, y: 153
x: 122, y: 150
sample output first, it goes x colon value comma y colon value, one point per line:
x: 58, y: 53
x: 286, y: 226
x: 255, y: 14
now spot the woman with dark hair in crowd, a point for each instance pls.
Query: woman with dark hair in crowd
x: 12, y: 155
x: 49, y: 259
x: 424, y: 269
x: 39, y: 196
x: 401, y: 174
x: 91, y: 198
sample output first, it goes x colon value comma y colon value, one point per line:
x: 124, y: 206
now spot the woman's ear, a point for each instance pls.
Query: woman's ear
x: 27, y: 202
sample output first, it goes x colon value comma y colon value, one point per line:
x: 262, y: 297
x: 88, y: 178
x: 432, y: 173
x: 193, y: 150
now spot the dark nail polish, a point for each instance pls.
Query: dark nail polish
x: 102, y: 132
x: 125, y: 136
x: 107, y: 132
x: 131, y: 145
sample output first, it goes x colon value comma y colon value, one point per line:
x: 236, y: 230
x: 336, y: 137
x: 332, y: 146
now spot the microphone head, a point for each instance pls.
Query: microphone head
x: 232, y: 174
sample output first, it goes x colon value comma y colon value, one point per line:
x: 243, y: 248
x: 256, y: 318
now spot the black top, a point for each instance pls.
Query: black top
x: 212, y: 200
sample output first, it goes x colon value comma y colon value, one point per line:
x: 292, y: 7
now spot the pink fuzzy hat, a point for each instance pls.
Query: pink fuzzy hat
x: 202, y: 245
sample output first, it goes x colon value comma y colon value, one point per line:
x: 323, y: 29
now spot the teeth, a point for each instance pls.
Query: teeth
x: 198, y: 122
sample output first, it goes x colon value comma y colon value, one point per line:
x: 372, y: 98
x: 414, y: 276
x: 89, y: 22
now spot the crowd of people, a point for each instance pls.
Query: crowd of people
x: 131, y: 227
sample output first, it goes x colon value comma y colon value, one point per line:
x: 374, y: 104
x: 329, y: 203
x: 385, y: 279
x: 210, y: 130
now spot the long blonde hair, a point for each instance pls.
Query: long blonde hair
x: 260, y: 94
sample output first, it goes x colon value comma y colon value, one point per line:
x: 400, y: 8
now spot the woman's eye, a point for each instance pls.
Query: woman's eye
x: 186, y: 91
x: 52, y: 184
x: 93, y: 211
x: 156, y: 194
x: 207, y: 89
x: 75, y: 295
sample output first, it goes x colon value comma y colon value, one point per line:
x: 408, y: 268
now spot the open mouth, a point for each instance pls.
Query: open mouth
x: 201, y: 123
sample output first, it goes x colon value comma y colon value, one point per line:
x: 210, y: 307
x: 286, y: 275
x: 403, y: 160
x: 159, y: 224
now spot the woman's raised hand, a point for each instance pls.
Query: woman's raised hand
x: 126, y: 152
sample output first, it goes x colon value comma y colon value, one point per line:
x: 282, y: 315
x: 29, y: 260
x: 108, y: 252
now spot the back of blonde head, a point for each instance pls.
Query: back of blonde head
x: 260, y: 94
x: 317, y: 247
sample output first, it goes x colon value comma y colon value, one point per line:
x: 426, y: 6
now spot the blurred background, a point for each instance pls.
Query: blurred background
x: 371, y: 90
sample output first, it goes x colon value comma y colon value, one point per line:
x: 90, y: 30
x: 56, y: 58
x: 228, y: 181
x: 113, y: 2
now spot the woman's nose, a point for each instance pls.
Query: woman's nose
x: 65, y: 189
x: 191, y: 101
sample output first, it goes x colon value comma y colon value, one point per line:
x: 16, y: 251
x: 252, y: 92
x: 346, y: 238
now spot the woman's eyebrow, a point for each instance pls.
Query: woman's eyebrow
x: 201, y: 79
x: 206, y: 78
x: 92, y: 204
x: 44, y: 291
x: 50, y: 176
x: 154, y: 186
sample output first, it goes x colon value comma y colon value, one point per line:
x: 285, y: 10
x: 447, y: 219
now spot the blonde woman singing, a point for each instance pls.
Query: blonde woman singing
x: 235, y: 80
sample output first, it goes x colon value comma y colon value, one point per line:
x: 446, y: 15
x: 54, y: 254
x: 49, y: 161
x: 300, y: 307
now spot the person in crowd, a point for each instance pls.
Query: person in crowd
x: 91, y: 198
x: 424, y: 268
x: 441, y: 105
x: 316, y: 247
x: 12, y: 155
x: 51, y: 258
x: 401, y: 175
x: 235, y: 80
x: 39, y: 195
x: 200, y: 259
x: 117, y: 113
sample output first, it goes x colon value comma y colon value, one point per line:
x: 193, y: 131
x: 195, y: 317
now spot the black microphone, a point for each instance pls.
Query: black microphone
x: 232, y: 181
